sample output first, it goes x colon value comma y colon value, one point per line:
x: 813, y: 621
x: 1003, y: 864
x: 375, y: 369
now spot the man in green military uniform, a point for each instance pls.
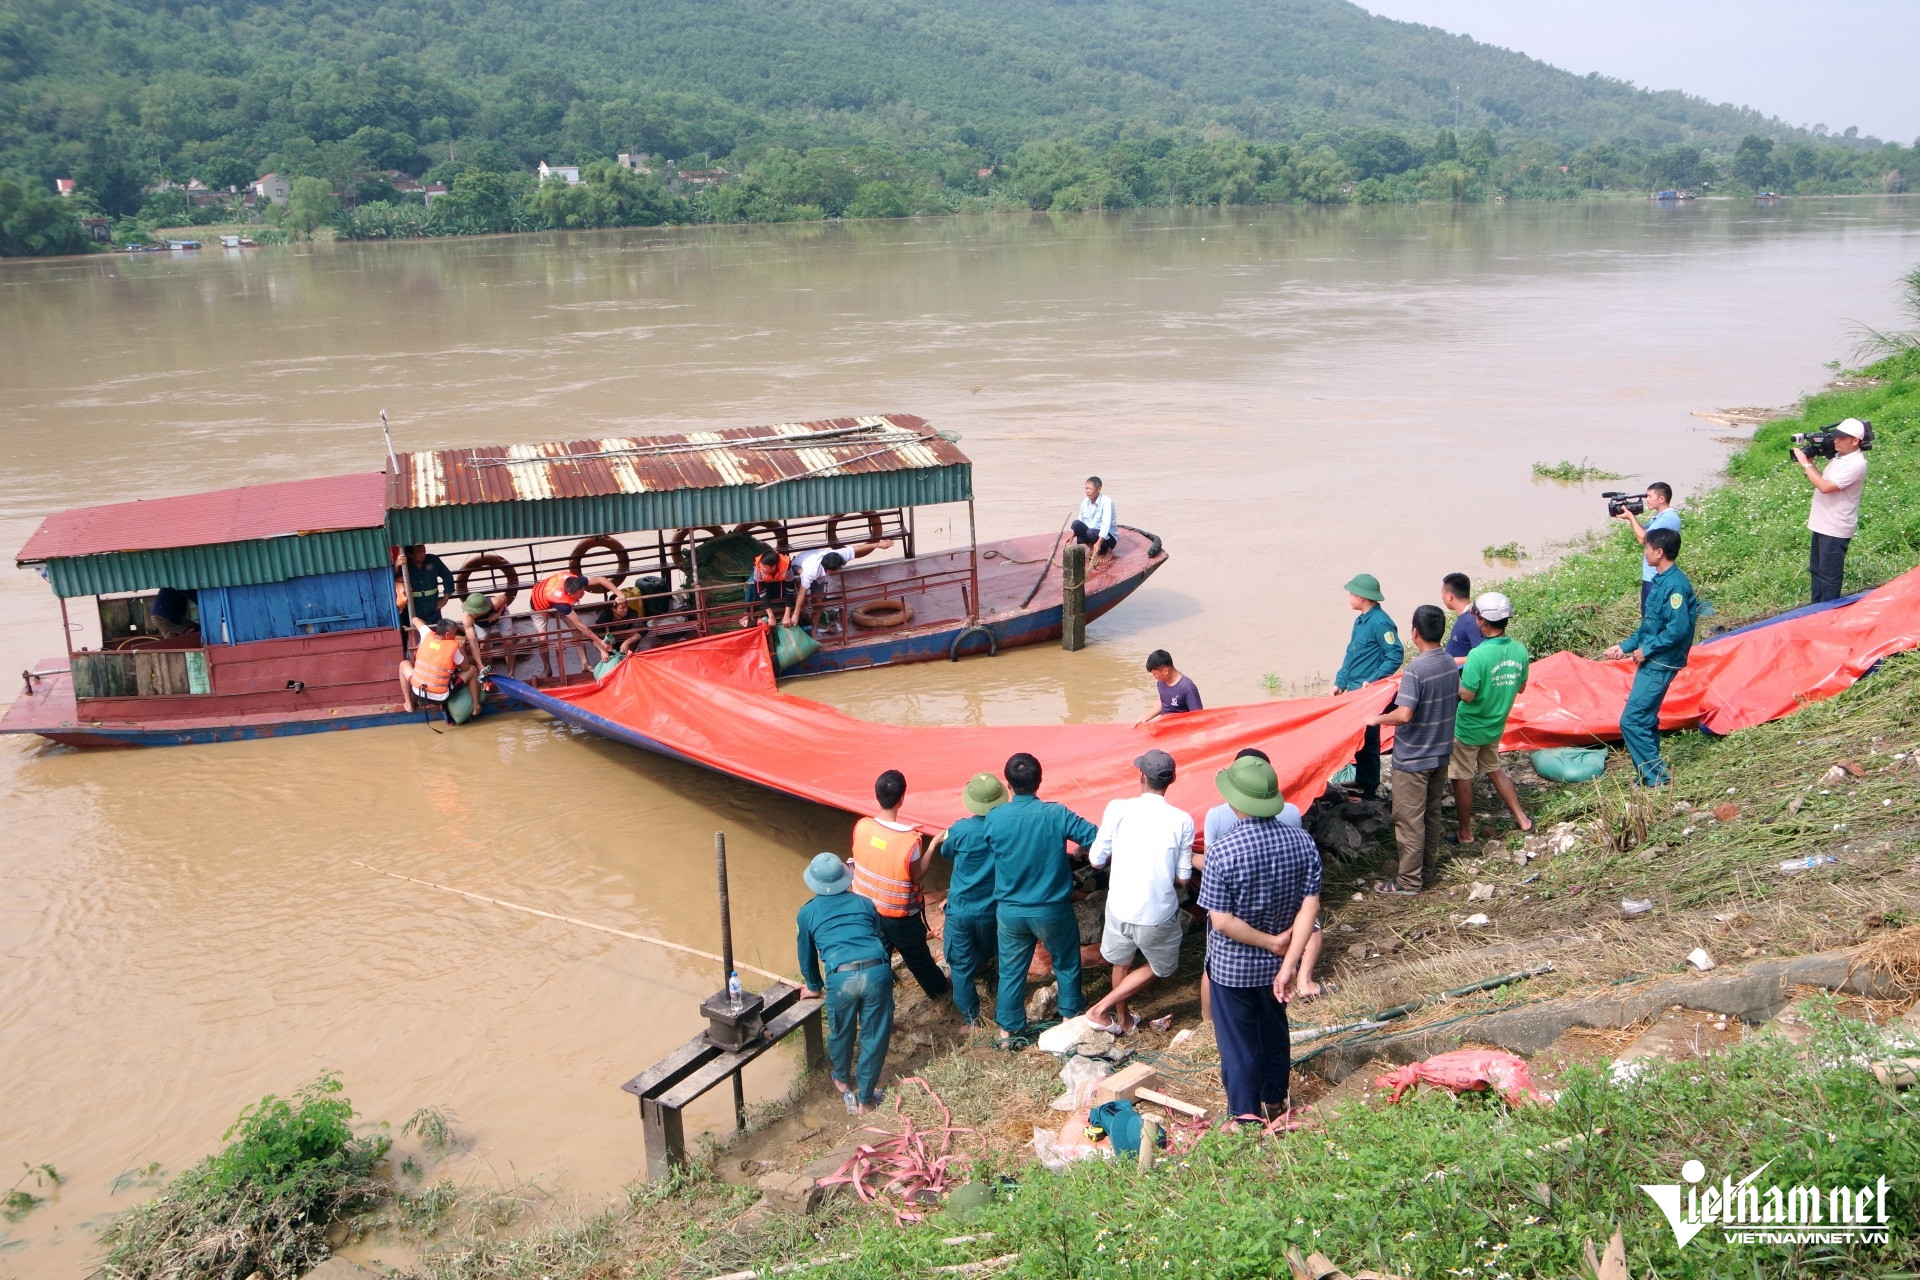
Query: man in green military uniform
x: 1660, y: 646
x: 1373, y: 653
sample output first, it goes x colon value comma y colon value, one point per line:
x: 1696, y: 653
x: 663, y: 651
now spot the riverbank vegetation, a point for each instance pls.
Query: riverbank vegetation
x: 163, y: 115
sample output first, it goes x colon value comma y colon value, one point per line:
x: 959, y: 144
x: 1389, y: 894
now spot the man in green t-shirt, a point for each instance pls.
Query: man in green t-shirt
x: 1494, y: 674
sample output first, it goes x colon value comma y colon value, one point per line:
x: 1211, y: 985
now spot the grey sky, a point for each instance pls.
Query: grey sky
x: 1831, y: 62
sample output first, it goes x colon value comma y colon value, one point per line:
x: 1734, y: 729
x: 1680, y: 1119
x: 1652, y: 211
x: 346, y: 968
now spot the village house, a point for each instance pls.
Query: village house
x: 98, y: 230
x: 571, y: 172
x: 698, y: 178
x: 63, y: 186
x: 637, y: 161
x: 273, y: 186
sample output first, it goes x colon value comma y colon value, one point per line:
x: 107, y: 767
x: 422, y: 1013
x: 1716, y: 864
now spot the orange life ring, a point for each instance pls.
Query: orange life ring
x: 875, y: 530
x: 611, y: 544
x: 882, y: 615
x: 463, y: 581
x: 680, y: 538
x: 779, y: 532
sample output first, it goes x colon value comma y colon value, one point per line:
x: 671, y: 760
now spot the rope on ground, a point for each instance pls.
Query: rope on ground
x: 904, y: 1173
x: 584, y: 924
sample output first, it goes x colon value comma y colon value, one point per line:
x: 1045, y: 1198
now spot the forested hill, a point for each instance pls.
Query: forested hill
x: 128, y: 90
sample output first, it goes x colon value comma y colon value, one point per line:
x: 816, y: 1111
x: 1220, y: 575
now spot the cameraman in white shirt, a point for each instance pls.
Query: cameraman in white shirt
x: 1836, y: 506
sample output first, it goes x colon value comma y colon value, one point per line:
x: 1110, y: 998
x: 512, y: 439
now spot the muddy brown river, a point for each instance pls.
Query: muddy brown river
x: 1286, y: 396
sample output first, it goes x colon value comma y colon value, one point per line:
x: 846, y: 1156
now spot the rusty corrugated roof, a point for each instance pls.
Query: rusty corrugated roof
x: 205, y: 519
x: 746, y: 456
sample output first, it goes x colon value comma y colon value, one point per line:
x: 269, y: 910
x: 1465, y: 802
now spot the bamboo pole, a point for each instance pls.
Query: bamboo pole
x: 585, y: 924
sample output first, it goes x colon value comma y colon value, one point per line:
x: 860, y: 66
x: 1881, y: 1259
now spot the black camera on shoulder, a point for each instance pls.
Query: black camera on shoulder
x: 1819, y: 444
x: 1619, y: 502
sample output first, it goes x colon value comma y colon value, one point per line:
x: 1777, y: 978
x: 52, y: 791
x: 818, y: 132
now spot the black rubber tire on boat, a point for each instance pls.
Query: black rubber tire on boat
x: 993, y: 641
x: 611, y: 544
x: 1153, y: 540
x: 463, y: 581
x: 881, y: 615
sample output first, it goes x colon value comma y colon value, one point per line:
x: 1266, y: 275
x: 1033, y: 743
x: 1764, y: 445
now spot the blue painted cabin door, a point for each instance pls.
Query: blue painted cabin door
x: 354, y: 601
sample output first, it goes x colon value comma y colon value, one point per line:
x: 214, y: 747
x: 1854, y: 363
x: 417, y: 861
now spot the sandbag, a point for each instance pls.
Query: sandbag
x: 792, y: 646
x: 1570, y: 764
x: 459, y: 704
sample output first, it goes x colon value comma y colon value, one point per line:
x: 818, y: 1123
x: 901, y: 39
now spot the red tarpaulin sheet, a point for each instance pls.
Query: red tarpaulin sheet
x: 715, y: 702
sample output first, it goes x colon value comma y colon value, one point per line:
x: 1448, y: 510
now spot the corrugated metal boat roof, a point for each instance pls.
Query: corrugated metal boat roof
x: 655, y: 464
x: 246, y: 514
x: 626, y: 483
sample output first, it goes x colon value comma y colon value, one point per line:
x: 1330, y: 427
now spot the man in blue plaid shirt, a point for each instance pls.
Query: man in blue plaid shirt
x: 1262, y: 894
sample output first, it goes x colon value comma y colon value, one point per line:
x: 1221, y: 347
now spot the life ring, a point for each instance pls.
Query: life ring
x: 610, y: 544
x: 779, y: 532
x: 993, y: 641
x: 463, y: 581
x: 680, y: 538
x: 882, y: 615
x: 875, y: 530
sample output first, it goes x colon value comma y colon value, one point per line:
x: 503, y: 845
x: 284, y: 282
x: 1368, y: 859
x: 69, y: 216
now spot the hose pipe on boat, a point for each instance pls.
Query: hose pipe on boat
x: 993, y: 641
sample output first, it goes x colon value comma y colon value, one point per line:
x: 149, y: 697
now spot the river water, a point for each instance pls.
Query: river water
x: 1286, y: 396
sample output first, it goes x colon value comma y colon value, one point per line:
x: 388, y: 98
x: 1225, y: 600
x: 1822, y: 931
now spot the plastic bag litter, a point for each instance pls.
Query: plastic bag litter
x: 1058, y: 1148
x: 1465, y: 1071
x: 1082, y: 1076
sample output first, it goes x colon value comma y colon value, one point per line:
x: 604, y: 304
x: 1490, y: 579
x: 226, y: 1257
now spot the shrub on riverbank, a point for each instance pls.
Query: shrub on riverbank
x: 263, y: 1204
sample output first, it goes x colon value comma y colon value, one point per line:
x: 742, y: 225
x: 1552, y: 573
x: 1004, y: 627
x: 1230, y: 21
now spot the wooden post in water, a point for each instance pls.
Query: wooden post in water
x: 726, y: 964
x: 1073, y: 599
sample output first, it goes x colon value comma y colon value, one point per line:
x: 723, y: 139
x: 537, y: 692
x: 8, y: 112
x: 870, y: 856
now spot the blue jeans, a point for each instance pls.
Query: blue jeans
x: 860, y: 1003
x: 971, y: 942
x: 1020, y: 928
x: 1640, y: 723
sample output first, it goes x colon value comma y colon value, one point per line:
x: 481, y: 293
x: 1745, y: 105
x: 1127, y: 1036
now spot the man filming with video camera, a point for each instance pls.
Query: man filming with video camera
x: 1658, y: 507
x: 1836, y: 498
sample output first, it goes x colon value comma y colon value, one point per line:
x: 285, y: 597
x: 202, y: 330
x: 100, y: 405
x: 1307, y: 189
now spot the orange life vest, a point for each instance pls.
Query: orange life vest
x: 552, y: 590
x: 777, y: 575
x: 433, y: 664
x: 883, y: 867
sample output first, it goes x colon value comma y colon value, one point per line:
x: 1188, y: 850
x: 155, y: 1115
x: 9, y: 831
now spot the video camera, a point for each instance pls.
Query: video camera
x: 1819, y: 444
x: 1619, y: 502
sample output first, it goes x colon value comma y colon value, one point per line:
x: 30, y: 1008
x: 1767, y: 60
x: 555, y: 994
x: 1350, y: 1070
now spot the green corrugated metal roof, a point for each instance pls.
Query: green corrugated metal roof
x: 222, y: 564
x: 680, y: 508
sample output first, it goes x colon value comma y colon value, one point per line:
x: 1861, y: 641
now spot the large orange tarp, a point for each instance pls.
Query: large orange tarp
x: 715, y: 702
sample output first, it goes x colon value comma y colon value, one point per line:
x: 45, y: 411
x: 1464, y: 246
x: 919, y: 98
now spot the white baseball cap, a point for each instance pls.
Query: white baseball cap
x: 1851, y: 427
x: 1494, y: 607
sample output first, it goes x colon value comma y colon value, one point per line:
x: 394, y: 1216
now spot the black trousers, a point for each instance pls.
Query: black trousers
x: 1088, y: 538
x: 1250, y: 1028
x: 1827, y: 565
x: 1366, y: 765
x: 908, y: 936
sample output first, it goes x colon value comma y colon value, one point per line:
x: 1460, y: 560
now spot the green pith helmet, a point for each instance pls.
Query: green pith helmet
x: 984, y: 792
x: 476, y: 605
x: 1251, y: 786
x: 1367, y: 587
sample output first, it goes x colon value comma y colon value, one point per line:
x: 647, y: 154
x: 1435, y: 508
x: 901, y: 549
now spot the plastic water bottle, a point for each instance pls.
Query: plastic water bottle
x: 1794, y: 866
x: 735, y: 998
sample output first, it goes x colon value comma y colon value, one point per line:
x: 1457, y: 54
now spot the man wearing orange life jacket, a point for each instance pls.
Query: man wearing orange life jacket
x: 437, y: 660
x: 553, y: 600
x: 771, y: 587
x: 888, y: 865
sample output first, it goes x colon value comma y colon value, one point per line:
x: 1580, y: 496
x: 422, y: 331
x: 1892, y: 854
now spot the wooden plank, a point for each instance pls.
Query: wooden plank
x: 697, y: 1052
x: 722, y: 1065
x: 160, y: 673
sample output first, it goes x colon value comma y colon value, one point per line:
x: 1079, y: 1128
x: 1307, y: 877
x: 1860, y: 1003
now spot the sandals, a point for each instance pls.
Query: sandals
x: 1392, y: 889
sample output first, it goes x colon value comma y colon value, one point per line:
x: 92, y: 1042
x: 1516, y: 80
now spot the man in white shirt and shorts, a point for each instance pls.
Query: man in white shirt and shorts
x: 1836, y: 506
x: 1148, y: 844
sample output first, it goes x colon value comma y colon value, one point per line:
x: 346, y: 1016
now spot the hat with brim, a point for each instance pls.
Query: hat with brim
x: 1851, y: 427
x: 827, y: 873
x: 477, y: 605
x: 1366, y: 586
x: 1251, y: 786
x: 983, y: 793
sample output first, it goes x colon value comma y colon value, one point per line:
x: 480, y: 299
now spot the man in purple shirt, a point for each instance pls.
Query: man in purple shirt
x: 1177, y: 692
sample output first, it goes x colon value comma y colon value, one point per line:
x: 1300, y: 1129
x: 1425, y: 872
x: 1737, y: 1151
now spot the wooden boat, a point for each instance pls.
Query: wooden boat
x: 294, y: 623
